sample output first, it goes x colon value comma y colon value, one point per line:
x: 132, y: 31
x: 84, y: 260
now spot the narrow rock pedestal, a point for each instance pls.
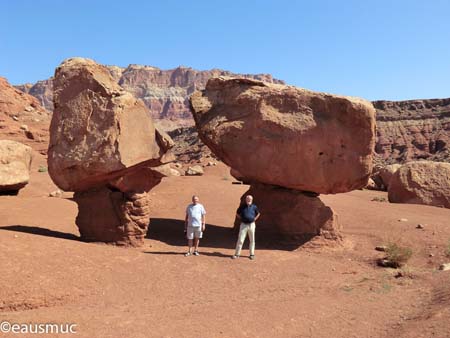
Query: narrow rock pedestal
x: 292, y: 214
x: 109, y: 215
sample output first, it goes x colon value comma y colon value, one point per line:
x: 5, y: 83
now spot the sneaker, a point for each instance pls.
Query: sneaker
x: 187, y: 254
x: 196, y: 253
x: 234, y: 257
x: 252, y: 257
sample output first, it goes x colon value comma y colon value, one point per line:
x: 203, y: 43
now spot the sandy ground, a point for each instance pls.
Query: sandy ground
x: 47, y: 275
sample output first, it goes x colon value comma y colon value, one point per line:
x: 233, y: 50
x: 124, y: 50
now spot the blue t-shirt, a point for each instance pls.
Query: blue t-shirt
x: 247, y: 212
x: 195, y: 213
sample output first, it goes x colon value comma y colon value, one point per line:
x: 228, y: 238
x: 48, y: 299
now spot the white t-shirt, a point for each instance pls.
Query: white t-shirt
x: 195, y: 213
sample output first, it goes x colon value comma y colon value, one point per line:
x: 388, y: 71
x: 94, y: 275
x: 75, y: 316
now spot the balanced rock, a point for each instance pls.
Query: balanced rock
x: 422, y: 182
x: 287, y: 136
x: 292, y: 214
x: 15, y: 165
x: 105, y: 147
x: 98, y: 131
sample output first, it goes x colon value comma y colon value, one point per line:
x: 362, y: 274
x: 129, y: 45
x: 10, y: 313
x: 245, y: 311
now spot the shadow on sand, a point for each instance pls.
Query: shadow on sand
x: 170, y: 231
x: 41, y: 232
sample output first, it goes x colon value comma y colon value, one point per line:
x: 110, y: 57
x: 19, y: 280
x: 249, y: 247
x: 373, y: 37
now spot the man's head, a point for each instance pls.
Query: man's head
x: 249, y: 199
x: 195, y: 199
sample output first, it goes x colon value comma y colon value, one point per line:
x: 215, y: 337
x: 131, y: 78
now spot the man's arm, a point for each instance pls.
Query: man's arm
x: 203, y: 222
x: 238, y: 212
x: 257, y: 214
x: 186, y: 222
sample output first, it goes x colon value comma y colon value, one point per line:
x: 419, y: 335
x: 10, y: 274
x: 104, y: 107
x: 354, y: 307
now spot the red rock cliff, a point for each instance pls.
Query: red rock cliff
x: 414, y: 129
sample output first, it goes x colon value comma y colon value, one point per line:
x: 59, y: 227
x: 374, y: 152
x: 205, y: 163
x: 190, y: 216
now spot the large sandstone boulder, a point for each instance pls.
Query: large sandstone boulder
x: 287, y: 136
x: 421, y: 182
x: 293, y: 214
x: 15, y: 164
x: 105, y: 147
x: 387, y: 172
x: 98, y: 131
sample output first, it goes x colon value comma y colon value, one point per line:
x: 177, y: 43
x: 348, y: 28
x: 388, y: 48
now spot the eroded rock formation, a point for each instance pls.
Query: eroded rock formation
x: 411, y: 130
x: 290, y: 144
x: 287, y: 136
x: 104, y: 147
x: 421, y: 182
x: 22, y: 118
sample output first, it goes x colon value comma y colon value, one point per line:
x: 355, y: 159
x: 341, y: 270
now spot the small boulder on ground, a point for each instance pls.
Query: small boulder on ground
x: 15, y: 165
x: 421, y: 182
x: 195, y: 170
x: 387, y: 172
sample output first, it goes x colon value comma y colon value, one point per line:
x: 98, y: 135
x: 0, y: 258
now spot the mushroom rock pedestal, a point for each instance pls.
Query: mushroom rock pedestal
x: 292, y: 214
x: 112, y: 216
x: 120, y: 212
x: 284, y: 141
x: 105, y: 148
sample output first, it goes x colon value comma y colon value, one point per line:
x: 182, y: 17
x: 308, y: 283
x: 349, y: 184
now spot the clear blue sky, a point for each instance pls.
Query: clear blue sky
x: 383, y: 49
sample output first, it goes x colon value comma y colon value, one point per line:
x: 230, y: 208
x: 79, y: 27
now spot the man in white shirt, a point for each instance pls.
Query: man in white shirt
x: 194, y: 224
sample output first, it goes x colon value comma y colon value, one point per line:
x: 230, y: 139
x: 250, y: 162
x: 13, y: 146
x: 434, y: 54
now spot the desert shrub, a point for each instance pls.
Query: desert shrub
x: 379, y: 199
x: 42, y: 169
x: 397, y: 255
x: 447, y: 250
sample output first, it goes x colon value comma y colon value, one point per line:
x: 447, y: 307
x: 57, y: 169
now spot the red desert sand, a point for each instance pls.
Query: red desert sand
x: 48, y: 275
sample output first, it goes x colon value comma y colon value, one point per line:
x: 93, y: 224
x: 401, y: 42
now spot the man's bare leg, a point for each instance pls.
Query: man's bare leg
x: 190, y: 246
x: 196, y: 243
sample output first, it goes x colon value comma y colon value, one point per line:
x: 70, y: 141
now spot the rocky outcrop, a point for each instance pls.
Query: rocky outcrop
x: 105, y: 148
x: 22, y: 118
x: 287, y: 136
x: 411, y: 130
x: 422, y: 182
x: 188, y: 146
x: 15, y: 164
x: 291, y: 144
x: 42, y: 91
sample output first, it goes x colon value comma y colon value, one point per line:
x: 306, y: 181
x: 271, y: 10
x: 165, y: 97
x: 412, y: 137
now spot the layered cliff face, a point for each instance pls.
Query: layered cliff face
x: 42, y: 90
x: 165, y: 92
x: 22, y: 118
x: 415, y: 129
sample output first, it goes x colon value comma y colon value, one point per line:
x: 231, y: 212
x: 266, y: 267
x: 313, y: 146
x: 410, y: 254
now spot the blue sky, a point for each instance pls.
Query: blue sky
x: 384, y: 49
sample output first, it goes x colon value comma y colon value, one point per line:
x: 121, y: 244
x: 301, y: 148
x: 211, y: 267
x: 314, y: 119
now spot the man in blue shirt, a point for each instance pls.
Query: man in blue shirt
x: 194, y: 224
x: 248, y: 213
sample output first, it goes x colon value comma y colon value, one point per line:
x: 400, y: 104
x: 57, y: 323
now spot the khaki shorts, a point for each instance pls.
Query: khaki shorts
x: 194, y: 232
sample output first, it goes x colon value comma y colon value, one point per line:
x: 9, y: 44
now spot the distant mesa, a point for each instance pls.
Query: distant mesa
x: 413, y: 130
x: 164, y: 92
